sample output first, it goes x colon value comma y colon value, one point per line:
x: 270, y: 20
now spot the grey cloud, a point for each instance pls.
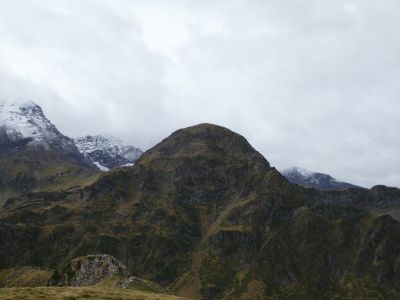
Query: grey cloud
x: 106, y: 77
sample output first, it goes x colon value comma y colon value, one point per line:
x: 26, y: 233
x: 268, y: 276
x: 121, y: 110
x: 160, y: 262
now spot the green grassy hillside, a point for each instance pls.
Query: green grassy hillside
x: 32, y: 170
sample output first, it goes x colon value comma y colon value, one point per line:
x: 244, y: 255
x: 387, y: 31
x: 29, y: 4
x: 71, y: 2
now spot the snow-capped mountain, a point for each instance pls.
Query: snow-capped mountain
x: 107, y: 152
x: 23, y: 125
x: 316, y: 180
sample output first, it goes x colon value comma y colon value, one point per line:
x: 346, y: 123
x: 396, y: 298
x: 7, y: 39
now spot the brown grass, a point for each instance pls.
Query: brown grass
x: 24, y: 277
x: 79, y: 293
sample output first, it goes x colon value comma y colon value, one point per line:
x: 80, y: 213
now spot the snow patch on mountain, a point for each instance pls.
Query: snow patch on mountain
x: 23, y: 124
x: 25, y: 120
x: 316, y: 180
x: 298, y: 171
x: 107, y: 151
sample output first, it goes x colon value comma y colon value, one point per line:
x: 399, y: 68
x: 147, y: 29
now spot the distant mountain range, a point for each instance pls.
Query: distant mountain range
x: 316, y: 180
x: 36, y: 156
x: 25, y: 125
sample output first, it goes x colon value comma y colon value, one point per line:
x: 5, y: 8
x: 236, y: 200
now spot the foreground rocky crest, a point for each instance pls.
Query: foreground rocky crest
x: 88, y: 270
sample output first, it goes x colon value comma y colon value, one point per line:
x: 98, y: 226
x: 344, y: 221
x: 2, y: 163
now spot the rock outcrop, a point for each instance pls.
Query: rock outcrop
x: 88, y: 270
x: 130, y: 282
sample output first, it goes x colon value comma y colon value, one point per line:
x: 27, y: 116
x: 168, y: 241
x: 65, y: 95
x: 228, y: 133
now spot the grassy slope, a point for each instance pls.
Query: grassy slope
x: 24, y: 276
x: 73, y: 293
x: 29, y: 283
x: 26, y: 172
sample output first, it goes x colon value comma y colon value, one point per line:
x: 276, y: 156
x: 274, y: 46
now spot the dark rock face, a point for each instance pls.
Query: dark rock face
x: 7, y: 144
x: 23, y: 182
x: 379, y: 197
x: 88, y: 270
x: 204, y: 214
x: 315, y: 180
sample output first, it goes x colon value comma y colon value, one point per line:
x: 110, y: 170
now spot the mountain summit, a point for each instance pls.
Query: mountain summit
x: 107, y: 152
x: 25, y: 121
x: 23, y: 125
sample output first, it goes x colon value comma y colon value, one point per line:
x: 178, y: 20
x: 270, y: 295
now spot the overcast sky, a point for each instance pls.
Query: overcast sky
x: 310, y: 83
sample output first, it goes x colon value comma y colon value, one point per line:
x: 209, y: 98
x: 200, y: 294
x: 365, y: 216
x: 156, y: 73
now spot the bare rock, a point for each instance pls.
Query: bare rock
x: 88, y: 270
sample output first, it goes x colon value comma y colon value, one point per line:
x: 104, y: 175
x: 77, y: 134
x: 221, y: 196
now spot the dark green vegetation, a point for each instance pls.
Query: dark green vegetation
x: 203, y: 214
x: 36, y: 169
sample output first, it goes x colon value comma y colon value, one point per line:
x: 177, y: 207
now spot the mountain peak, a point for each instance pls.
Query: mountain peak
x: 316, y: 180
x: 300, y: 171
x: 19, y: 104
x: 205, y: 144
x: 23, y: 125
x: 210, y: 134
x: 206, y: 130
x: 107, y: 151
x: 25, y: 120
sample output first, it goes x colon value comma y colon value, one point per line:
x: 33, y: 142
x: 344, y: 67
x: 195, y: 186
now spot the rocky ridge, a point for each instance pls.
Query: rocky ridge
x: 316, y: 180
x: 107, y: 152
